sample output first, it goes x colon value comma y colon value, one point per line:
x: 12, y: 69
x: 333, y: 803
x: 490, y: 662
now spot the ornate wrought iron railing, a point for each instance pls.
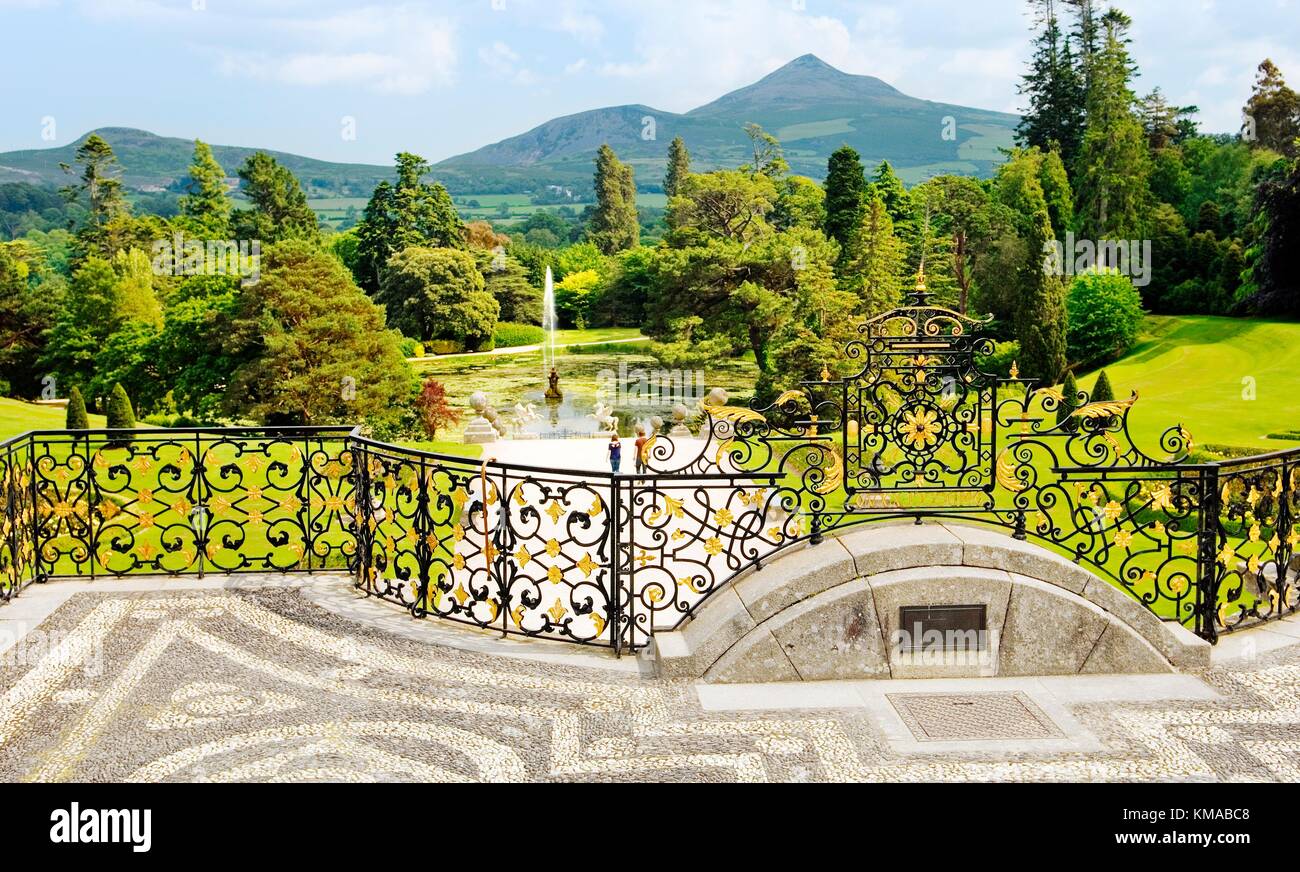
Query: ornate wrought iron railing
x: 607, y: 560
x: 910, y: 429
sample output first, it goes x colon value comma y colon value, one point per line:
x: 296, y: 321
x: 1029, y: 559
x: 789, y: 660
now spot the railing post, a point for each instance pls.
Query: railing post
x: 362, y: 515
x: 305, y: 499
x: 199, y: 515
x: 502, y: 545
x: 1283, y: 533
x: 89, y: 495
x: 37, y: 575
x: 615, y: 599
x: 1207, y: 569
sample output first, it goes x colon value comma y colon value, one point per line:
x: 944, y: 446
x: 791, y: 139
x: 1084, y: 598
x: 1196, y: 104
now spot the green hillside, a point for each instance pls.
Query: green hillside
x: 813, y: 107
x: 1197, y: 370
x: 151, y: 161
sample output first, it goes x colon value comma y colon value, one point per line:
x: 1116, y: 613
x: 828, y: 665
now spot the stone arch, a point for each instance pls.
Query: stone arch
x: 831, y: 612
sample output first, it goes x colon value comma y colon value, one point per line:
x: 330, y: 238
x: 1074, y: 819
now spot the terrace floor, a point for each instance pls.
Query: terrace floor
x: 297, y: 678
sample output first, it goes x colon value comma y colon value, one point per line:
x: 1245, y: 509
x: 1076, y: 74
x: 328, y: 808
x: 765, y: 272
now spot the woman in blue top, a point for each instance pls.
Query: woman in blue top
x: 615, y: 453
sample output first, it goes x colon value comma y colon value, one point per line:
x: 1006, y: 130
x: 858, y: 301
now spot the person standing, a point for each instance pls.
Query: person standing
x: 640, y: 450
x: 615, y: 453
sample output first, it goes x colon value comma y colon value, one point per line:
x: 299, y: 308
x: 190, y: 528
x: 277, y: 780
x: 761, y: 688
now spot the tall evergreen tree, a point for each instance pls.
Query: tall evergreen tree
x: 845, y: 184
x: 98, y: 190
x: 280, y: 209
x: 1038, y: 301
x: 1086, y: 39
x: 614, y: 226
x: 206, y: 203
x: 875, y: 263
x: 1274, y: 111
x: 409, y: 212
x: 1054, y: 88
x: 679, y: 164
x: 1056, y: 190
x: 1114, y: 166
x: 892, y: 192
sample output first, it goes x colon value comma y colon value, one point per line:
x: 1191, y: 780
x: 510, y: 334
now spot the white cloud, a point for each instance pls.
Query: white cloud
x: 503, y: 61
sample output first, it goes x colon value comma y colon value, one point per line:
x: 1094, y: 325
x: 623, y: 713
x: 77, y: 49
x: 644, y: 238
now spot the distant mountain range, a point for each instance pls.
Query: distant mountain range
x: 809, y: 105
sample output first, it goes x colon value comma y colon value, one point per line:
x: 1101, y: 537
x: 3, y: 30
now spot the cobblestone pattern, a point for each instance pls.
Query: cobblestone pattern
x: 233, y: 685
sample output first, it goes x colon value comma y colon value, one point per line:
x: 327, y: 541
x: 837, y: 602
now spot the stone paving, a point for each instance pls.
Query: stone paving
x: 235, y: 684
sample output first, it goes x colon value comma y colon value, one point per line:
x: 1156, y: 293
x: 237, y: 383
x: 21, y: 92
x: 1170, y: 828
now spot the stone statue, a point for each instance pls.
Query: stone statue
x: 553, y: 391
x: 604, y: 416
x: 480, y: 429
x: 679, y: 422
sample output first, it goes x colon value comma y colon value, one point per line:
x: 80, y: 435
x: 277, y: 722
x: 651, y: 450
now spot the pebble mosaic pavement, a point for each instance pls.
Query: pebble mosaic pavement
x: 262, y: 684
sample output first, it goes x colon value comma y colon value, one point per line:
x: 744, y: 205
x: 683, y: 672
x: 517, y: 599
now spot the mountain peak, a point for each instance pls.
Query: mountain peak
x: 806, y: 79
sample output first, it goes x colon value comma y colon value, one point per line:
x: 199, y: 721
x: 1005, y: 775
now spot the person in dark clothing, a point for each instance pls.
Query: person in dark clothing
x: 615, y: 453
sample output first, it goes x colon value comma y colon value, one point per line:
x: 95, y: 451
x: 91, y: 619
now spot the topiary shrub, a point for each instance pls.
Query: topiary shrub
x: 1069, y: 403
x: 76, y: 419
x: 120, y: 414
x: 1102, y: 392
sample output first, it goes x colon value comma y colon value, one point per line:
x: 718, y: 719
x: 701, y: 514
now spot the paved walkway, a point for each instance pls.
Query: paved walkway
x: 297, y: 678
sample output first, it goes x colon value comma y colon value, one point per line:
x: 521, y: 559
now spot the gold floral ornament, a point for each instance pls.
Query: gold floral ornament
x: 587, y: 565
x: 555, y: 510
x: 921, y: 428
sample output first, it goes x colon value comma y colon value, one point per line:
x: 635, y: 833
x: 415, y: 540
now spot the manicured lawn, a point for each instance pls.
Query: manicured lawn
x: 1196, y: 370
x: 599, y: 334
x: 19, y: 417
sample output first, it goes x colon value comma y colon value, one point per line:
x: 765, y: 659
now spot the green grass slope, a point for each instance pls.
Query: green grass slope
x: 19, y: 417
x: 1199, y: 371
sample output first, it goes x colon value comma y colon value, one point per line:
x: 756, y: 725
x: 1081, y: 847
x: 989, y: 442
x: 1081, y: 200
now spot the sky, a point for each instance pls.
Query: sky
x: 360, y: 81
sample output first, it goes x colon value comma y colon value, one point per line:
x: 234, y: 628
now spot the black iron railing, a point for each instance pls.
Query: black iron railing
x: 607, y: 560
x: 914, y: 430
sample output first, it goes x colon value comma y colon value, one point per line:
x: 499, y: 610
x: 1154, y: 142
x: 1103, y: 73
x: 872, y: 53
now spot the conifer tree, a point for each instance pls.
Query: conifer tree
x: 845, y: 184
x: 679, y: 164
x: 206, y: 203
x: 876, y: 260
x: 1054, y: 88
x: 614, y: 226
x: 120, y: 414
x: 76, y: 417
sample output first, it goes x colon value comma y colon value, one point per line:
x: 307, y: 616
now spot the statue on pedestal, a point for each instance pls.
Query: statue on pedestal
x: 480, y: 429
x: 553, y: 391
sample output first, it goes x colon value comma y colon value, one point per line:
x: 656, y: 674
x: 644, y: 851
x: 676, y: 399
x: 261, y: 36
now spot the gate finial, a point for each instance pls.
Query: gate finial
x: 920, y: 297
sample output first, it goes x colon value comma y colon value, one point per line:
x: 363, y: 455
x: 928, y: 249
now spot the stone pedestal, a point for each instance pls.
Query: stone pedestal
x: 480, y: 430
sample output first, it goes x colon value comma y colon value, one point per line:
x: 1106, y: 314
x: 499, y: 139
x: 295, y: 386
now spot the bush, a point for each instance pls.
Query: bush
x: 120, y: 414
x: 508, y: 335
x: 76, y: 419
x: 999, y: 362
x: 410, y: 347
x: 1105, y: 312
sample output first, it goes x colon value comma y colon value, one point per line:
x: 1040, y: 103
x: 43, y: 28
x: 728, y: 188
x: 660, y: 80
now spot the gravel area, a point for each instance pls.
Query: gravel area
x: 249, y: 685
